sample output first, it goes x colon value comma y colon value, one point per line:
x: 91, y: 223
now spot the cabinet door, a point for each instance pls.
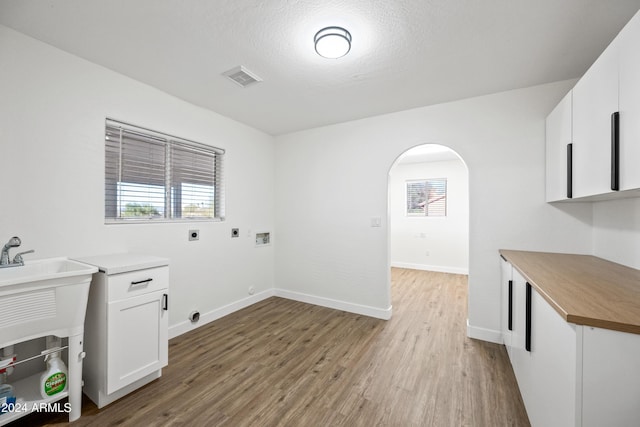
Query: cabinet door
x: 611, y: 373
x: 506, y: 288
x: 544, y: 362
x: 595, y: 98
x: 550, y: 398
x: 518, y: 355
x: 558, y: 137
x: 630, y: 104
x: 137, y: 338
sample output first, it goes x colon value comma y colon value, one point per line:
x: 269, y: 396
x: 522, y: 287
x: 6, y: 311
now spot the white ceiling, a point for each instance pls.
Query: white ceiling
x: 405, y: 53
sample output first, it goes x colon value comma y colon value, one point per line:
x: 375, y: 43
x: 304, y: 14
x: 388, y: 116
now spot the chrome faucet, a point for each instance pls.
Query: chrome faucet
x: 13, y: 242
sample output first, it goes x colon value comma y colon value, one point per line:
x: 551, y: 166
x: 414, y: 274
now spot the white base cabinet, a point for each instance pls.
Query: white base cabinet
x: 611, y: 378
x: 569, y: 375
x: 547, y: 372
x: 507, y: 303
x: 127, y: 325
x: 136, y: 338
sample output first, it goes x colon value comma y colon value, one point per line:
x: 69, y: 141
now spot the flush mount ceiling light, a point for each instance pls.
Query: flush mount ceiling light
x: 332, y: 42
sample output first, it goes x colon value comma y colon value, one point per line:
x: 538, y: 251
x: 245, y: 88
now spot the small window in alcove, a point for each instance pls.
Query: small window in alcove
x: 427, y: 197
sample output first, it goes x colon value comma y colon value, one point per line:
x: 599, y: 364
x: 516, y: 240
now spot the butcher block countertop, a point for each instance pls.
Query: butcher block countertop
x: 583, y: 289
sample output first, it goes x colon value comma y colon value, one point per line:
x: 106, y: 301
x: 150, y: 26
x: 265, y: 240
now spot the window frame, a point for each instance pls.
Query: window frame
x: 176, y: 173
x: 440, y: 182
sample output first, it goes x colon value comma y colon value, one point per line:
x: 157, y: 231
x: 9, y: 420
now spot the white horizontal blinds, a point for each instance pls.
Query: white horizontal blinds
x: 437, y: 197
x: 150, y: 175
x: 193, y: 181
x: 427, y: 197
x: 134, y: 174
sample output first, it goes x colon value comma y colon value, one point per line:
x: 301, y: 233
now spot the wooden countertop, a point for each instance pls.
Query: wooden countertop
x: 583, y: 289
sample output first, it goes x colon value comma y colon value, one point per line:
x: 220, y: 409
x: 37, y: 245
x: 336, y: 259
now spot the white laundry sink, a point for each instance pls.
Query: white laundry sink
x: 50, y: 270
x: 43, y: 297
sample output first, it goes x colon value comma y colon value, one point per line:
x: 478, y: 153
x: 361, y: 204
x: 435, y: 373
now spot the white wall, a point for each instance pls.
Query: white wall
x: 52, y: 111
x: 328, y: 183
x: 617, y: 231
x: 430, y: 243
x: 331, y: 181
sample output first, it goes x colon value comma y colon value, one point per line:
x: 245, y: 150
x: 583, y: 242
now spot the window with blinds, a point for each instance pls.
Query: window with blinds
x: 154, y: 176
x: 427, y: 197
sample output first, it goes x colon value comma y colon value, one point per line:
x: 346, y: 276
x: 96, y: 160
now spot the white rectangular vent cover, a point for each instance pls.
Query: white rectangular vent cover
x: 242, y: 76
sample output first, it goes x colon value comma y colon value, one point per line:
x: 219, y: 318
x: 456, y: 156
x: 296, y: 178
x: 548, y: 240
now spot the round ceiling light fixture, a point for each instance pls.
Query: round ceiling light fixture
x: 332, y: 42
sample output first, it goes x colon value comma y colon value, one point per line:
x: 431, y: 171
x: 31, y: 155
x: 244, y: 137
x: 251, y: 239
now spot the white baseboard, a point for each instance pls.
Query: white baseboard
x: 426, y: 267
x: 365, y: 310
x: 212, y: 315
x: 484, y: 334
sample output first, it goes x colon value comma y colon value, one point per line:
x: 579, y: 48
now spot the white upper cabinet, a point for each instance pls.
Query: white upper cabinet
x: 600, y: 118
x: 595, y: 99
x: 558, y: 130
x: 629, y: 105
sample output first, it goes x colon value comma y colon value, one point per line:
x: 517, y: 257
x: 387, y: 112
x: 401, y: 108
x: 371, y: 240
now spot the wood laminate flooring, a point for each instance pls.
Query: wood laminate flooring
x: 286, y: 363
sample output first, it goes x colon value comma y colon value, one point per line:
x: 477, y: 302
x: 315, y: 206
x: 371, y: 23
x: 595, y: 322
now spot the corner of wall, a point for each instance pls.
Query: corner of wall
x: 484, y: 334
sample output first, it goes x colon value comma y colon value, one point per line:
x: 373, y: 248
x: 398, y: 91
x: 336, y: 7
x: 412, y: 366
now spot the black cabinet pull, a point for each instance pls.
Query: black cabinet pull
x: 615, y: 151
x: 165, y: 302
x: 569, y: 171
x: 527, y: 332
x: 141, y: 282
x: 510, y: 318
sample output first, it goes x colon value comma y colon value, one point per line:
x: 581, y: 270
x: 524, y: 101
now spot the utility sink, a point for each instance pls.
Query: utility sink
x: 46, y: 297
x: 50, y: 271
x: 43, y: 297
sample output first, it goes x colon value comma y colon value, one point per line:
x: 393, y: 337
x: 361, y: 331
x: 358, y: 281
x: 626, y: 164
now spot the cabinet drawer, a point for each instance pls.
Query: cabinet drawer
x: 139, y: 282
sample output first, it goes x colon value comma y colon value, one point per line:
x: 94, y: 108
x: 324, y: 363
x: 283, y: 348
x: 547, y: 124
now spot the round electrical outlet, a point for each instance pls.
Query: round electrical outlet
x: 252, y: 290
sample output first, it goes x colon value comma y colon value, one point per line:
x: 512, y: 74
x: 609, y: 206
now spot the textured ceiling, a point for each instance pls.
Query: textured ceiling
x: 405, y: 53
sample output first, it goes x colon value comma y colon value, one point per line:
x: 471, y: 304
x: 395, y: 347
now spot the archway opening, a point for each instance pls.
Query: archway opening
x: 428, y: 209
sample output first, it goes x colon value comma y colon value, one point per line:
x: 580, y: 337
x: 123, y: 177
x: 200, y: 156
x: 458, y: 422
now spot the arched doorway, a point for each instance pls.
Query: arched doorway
x: 428, y: 208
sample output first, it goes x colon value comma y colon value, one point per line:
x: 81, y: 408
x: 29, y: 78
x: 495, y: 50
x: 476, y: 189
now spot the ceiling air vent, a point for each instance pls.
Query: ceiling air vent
x: 242, y: 76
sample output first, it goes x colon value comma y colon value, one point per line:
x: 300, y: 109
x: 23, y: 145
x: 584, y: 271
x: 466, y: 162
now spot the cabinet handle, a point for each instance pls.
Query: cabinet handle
x: 510, y: 318
x: 615, y: 151
x: 165, y: 302
x: 527, y: 333
x: 569, y: 171
x: 141, y: 282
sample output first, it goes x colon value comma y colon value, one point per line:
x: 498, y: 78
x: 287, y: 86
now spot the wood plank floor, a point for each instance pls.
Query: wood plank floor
x: 285, y: 363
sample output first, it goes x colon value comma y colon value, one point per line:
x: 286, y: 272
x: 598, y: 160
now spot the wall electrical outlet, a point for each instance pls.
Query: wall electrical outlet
x: 263, y: 239
x: 194, y: 235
